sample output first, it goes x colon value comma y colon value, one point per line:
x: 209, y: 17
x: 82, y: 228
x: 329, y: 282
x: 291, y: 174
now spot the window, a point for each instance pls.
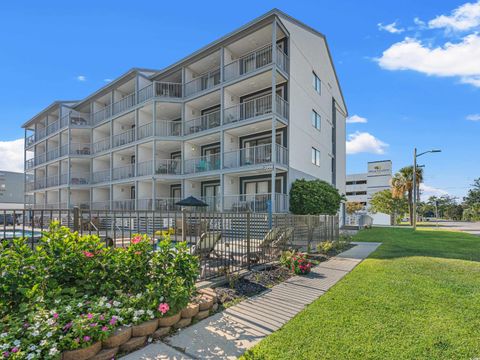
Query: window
x: 315, y: 156
x: 317, y: 84
x: 316, y: 120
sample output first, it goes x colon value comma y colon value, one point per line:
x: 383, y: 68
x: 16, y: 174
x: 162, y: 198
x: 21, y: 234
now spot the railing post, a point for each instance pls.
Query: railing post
x: 184, y: 226
x: 248, y: 240
x: 76, y: 218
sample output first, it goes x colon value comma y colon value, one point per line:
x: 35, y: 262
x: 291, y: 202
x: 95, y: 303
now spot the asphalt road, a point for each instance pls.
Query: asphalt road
x: 468, y: 227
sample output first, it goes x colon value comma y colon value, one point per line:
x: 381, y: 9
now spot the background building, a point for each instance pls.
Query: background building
x: 361, y: 187
x: 11, y: 190
x: 234, y: 123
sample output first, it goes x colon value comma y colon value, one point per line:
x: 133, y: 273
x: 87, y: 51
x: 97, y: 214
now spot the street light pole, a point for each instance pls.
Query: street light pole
x: 414, y: 203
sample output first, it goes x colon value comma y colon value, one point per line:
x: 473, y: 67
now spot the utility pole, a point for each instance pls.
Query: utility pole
x: 414, y: 207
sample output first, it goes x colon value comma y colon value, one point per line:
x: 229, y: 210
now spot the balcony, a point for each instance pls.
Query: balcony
x: 63, y: 179
x: 160, y: 89
x: 53, y: 154
x: 128, y: 204
x: 255, y: 108
x: 203, y: 82
x: 30, y: 140
x: 52, y: 181
x: 255, y: 202
x: 168, y: 167
x: 166, y: 204
x: 100, y: 176
x: 202, y: 123
x: 255, y: 155
x: 29, y: 186
x: 80, y: 149
x: 124, y: 138
x: 79, y: 119
x: 202, y: 164
x: 100, y: 205
x: 124, y: 104
x: 53, y: 127
x: 101, y: 145
x: 145, y: 168
x: 82, y: 178
x: 40, y: 183
x: 124, y: 172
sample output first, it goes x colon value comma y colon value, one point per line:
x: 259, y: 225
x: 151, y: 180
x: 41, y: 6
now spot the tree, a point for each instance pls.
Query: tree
x: 353, y: 206
x: 402, y: 183
x: 472, y: 213
x: 314, y: 197
x: 385, y: 202
x: 473, y: 195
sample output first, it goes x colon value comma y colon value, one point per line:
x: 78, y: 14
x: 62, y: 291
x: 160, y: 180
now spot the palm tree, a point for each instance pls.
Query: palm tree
x: 402, y: 183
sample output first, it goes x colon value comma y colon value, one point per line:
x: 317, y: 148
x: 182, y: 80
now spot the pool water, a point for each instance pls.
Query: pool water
x: 19, y: 234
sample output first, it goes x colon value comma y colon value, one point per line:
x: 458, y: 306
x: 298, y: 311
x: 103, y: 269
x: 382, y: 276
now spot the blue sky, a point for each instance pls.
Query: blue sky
x: 393, y: 59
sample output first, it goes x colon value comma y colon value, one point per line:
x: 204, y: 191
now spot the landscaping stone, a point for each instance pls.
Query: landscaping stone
x: 146, y: 328
x: 215, y: 307
x: 161, y: 332
x: 182, y: 323
x: 169, y: 320
x: 210, y: 292
x: 133, y: 344
x: 106, y: 354
x: 205, y: 302
x: 190, y: 311
x: 119, y: 337
x: 202, y: 314
x: 83, y: 354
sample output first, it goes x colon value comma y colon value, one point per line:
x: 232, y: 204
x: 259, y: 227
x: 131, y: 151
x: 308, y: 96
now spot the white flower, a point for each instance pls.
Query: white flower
x: 116, y: 303
x: 52, y: 351
x: 5, y: 346
x: 32, y: 347
x: 108, y: 305
x: 139, y: 295
x: 50, y: 321
x: 16, y: 342
x: 57, y: 301
x: 49, y: 334
x: 135, y: 318
x: 68, y: 308
x: 35, y: 333
x: 103, y: 298
x: 3, y: 335
x: 43, y: 342
x: 30, y: 356
x: 79, y: 304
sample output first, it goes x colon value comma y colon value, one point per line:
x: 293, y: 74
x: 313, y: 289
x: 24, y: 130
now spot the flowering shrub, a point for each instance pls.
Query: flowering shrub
x: 71, y: 291
x: 300, y: 265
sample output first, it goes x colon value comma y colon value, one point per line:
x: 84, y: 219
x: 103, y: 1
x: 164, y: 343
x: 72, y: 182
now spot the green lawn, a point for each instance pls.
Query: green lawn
x: 416, y: 297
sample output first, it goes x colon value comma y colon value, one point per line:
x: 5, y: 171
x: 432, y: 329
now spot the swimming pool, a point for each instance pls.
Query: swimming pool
x: 19, y: 233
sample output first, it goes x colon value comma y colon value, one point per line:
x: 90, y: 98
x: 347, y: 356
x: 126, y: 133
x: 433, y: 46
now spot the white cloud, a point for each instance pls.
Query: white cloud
x: 473, y: 117
x: 11, y: 158
x: 107, y: 80
x: 465, y: 17
x: 452, y: 59
x: 81, y: 78
x: 355, y: 119
x: 420, y: 23
x: 426, y: 191
x: 364, y: 142
x: 391, y: 28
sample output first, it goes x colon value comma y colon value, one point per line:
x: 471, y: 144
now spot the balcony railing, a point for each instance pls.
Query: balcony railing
x: 30, y: 140
x: 124, y: 138
x: 145, y: 131
x: 40, y: 183
x: 63, y: 179
x: 29, y: 164
x: 124, y: 172
x: 254, y: 108
x: 202, y: 164
x: 255, y: 155
x: 168, y: 167
x: 80, y: 149
x: 214, y: 203
x: 52, y: 181
x: 145, y: 168
x: 82, y: 178
x: 101, y: 145
x: 168, y: 89
x: 100, y: 205
x: 203, y: 82
x: 100, y: 176
x: 166, y: 204
x: 128, y: 204
x: 102, y: 114
x: 56, y: 205
x: 79, y: 119
x: 248, y: 63
x: 168, y: 128
x: 204, y: 122
x: 282, y: 60
x: 53, y: 127
x: 124, y: 104
x: 255, y: 202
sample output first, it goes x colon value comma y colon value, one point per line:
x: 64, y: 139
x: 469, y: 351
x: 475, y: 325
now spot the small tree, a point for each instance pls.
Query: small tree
x: 353, y: 206
x: 314, y: 197
x: 384, y: 202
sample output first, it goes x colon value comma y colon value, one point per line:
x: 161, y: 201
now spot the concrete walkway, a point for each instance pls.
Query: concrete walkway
x: 228, y: 334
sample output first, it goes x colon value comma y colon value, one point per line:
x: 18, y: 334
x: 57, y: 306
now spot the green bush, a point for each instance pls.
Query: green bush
x: 72, y: 290
x: 325, y: 246
x: 314, y: 197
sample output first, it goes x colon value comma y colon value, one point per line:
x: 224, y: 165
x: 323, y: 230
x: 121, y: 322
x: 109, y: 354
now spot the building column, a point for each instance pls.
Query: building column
x: 274, y: 111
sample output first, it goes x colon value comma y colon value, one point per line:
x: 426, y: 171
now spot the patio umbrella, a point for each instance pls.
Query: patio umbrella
x: 192, y: 201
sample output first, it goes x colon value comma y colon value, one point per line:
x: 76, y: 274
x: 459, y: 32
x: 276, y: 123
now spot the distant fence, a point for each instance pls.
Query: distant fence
x: 225, y: 242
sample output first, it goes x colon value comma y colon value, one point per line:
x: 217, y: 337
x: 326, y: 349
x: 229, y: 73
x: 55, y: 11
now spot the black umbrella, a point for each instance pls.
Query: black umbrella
x: 192, y: 201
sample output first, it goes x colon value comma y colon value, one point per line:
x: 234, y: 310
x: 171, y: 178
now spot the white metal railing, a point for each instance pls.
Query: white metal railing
x: 80, y: 148
x: 101, y: 145
x: 168, y: 89
x: 145, y: 131
x: 100, y: 205
x: 40, y: 183
x: 30, y: 140
x: 145, y: 168
x: 145, y: 93
x: 282, y: 60
x: 125, y: 137
x: 52, y: 181
x: 63, y: 179
x: 248, y: 63
x: 29, y: 186
x: 56, y: 205
x: 203, y: 82
x: 79, y: 119
x: 100, y: 176
x: 214, y: 203
x: 30, y: 163
x: 282, y: 107
x: 261, y: 154
x: 102, y: 114
x: 255, y: 202
x: 80, y: 178
x: 168, y: 128
x: 123, y: 172
x: 168, y: 167
x: 127, y: 204
x: 202, y: 164
x: 63, y: 150
x: 124, y: 104
x: 51, y: 128
x: 40, y: 159
x: 53, y: 154
x: 255, y: 107
x: 166, y: 204
x: 204, y: 122
x: 40, y: 133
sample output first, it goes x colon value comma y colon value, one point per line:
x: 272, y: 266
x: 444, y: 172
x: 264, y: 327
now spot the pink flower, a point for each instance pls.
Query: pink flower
x: 67, y: 326
x: 163, y: 308
x: 104, y: 328
x: 101, y: 317
x: 88, y: 254
x: 113, y: 320
x: 93, y: 324
x: 55, y: 316
x: 15, y: 349
x: 90, y: 316
x: 136, y: 239
x: 86, y: 338
x: 6, y: 354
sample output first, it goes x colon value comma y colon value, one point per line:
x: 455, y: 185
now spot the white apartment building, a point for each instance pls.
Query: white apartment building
x: 361, y: 187
x: 234, y: 123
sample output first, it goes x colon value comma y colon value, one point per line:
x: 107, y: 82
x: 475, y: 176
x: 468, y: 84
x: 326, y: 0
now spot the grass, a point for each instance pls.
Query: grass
x: 416, y: 297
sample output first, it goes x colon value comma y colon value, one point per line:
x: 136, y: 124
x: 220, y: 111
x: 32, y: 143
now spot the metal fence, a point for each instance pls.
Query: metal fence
x: 225, y: 242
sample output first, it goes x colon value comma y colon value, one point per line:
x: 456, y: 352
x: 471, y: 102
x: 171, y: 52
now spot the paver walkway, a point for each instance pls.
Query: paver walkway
x: 228, y: 334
